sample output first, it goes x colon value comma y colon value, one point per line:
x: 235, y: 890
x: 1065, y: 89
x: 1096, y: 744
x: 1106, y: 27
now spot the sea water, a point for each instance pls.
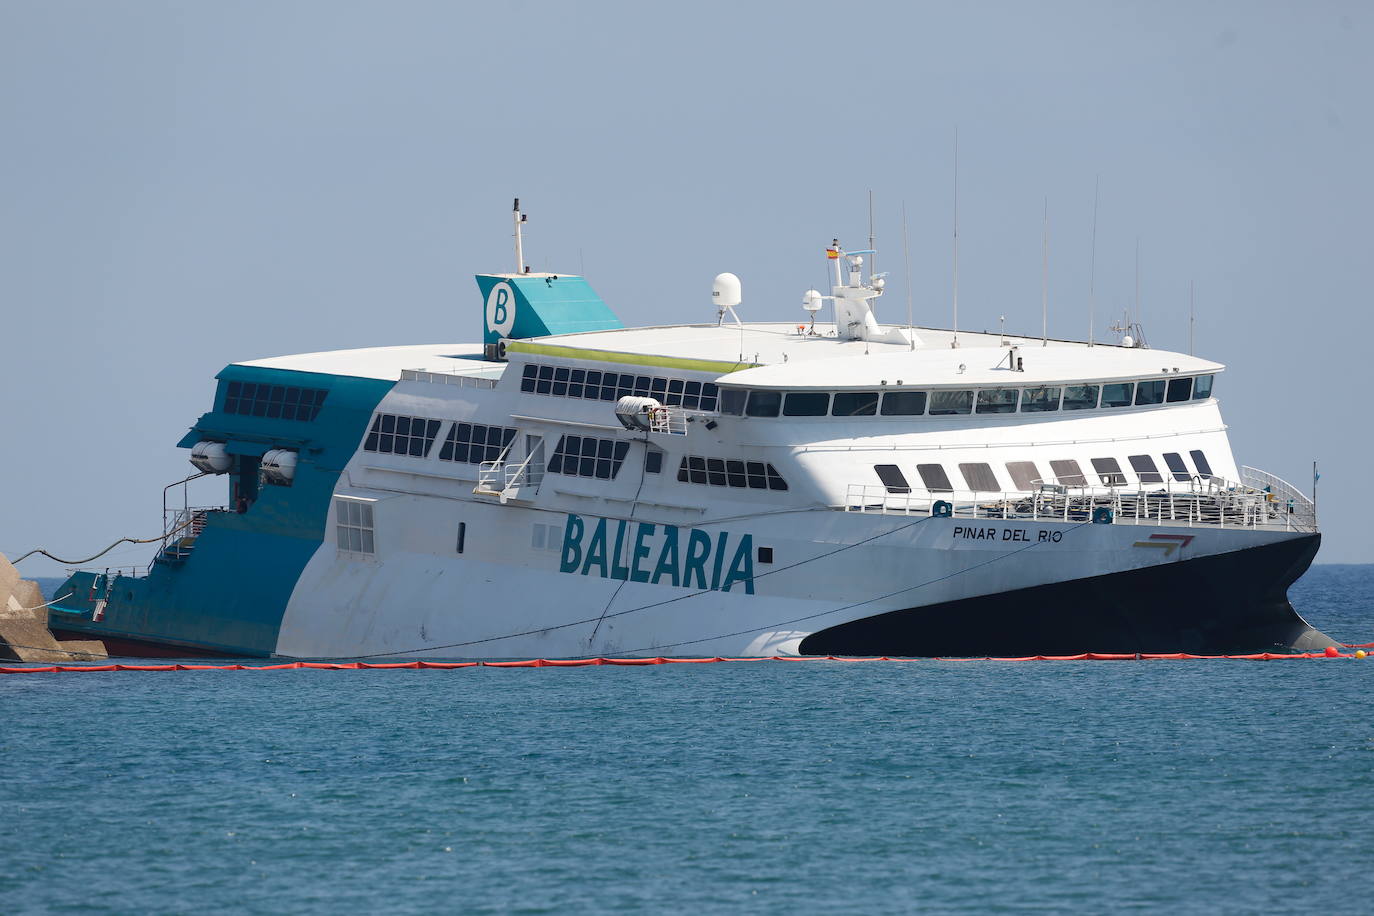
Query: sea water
x: 776, y: 787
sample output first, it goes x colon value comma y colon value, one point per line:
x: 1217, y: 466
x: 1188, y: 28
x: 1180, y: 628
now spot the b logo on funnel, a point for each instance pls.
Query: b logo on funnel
x: 501, y: 309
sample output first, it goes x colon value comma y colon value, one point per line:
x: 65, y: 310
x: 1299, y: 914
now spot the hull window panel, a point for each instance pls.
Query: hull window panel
x: 732, y: 401
x: 854, y: 404
x: 1145, y: 468
x: 1200, y: 462
x: 709, y: 395
x: 1150, y: 392
x: 392, y: 434
x: 732, y: 472
x: 653, y: 461
x: 1068, y: 473
x: 997, y: 400
x: 588, y: 456
x: 1024, y: 474
x: 1180, y: 389
x: 763, y: 403
x: 1202, y: 387
x: 1080, y: 397
x: 354, y: 528
x: 979, y: 477
x: 1179, y: 470
x: 529, y: 377
x: 275, y: 402
x: 948, y: 403
x: 806, y: 404
x: 904, y: 403
x: 934, y: 478
x: 1109, y: 472
x: 1117, y: 395
x: 474, y: 443
x: 1038, y: 400
x: 892, y: 478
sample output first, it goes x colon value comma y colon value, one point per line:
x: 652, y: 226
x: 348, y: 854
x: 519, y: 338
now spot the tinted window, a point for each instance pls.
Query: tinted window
x: 1118, y: 395
x: 892, y: 478
x: 997, y: 400
x: 763, y: 403
x: 943, y: 403
x: 1080, y: 397
x: 653, y: 461
x: 979, y: 477
x: 732, y: 401
x: 1200, y: 462
x: 1034, y: 400
x: 1150, y: 392
x: 1109, y: 471
x: 1202, y: 387
x: 1176, y: 466
x: 1180, y: 389
x: 855, y: 404
x: 1068, y: 473
x: 934, y: 478
x: 806, y: 404
x: 904, y: 403
x: 1144, y: 467
x: 1024, y: 474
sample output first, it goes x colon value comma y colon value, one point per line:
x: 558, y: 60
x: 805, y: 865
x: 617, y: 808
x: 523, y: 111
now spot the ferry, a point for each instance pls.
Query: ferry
x: 832, y: 485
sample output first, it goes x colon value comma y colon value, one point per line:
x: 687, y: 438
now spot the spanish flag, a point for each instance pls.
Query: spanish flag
x: 832, y: 253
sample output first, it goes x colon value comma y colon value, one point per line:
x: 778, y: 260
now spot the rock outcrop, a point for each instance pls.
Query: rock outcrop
x: 24, y: 634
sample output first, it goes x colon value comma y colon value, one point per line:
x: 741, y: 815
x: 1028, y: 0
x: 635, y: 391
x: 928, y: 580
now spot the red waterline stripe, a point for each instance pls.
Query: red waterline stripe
x: 660, y: 660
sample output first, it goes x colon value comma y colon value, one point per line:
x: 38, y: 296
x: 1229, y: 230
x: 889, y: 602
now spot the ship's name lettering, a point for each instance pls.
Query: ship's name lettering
x: 993, y: 533
x: 657, y: 554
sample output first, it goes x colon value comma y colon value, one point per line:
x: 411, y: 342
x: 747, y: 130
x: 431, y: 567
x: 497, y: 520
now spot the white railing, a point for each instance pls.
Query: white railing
x: 447, y: 378
x: 668, y: 421
x: 1219, y: 503
x: 502, y: 479
x: 1285, y: 498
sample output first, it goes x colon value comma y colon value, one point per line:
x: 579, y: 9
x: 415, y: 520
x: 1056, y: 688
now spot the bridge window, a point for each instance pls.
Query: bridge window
x: 946, y: 403
x: 904, y: 403
x: 1109, y: 471
x: 1117, y: 395
x: 1145, y: 469
x: 1180, y: 389
x: 1024, y: 474
x: 1068, y: 473
x: 806, y: 404
x: 732, y: 401
x: 997, y: 400
x: 763, y: 403
x: 396, y: 435
x: 979, y: 477
x: 854, y: 404
x: 934, y: 478
x: 598, y: 385
x: 588, y: 456
x: 1036, y: 400
x: 1176, y: 466
x: 353, y: 526
x: 1150, y: 392
x: 1080, y: 397
x: 1200, y: 462
x: 474, y: 443
x: 892, y: 478
x: 283, y: 402
x: 1202, y: 387
x: 730, y: 472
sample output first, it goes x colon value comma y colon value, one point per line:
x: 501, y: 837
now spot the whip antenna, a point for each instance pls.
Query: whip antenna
x: 906, y: 254
x: 1045, y: 280
x: 955, y: 341
x: 1092, y: 268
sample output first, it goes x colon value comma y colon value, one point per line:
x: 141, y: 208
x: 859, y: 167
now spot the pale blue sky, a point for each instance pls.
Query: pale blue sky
x: 183, y: 185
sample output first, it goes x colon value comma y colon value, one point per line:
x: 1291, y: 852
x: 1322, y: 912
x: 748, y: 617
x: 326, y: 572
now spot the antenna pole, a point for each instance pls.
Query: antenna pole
x: 1137, y: 283
x: 872, y: 258
x: 1092, y: 269
x: 1190, y: 317
x: 955, y: 341
x: 1045, y: 280
x: 906, y: 254
x: 519, y: 249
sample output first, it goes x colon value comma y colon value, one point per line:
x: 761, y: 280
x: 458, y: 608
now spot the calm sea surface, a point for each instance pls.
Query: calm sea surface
x: 777, y: 787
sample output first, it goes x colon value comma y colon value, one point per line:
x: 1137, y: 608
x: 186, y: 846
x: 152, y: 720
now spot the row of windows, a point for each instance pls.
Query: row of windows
x: 285, y: 402
x: 476, y: 442
x: 1026, y: 475
x: 595, y: 385
x: 588, y: 456
x: 397, y: 435
x: 730, y: 472
x: 760, y: 403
